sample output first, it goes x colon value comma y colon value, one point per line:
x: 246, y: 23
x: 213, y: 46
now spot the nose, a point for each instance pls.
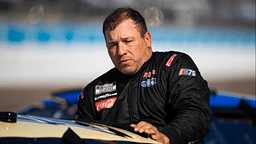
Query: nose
x: 121, y: 49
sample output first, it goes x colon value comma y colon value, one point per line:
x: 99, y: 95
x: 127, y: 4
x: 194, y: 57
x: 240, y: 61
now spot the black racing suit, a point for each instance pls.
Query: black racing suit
x: 167, y: 92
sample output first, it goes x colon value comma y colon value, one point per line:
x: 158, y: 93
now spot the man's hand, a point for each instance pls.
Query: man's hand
x: 150, y: 129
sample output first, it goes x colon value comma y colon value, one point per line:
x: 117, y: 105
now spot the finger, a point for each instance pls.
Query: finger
x: 152, y: 130
x: 145, y: 127
x: 139, y: 126
x: 156, y: 136
x: 133, y: 125
x: 136, y: 125
x: 148, y: 128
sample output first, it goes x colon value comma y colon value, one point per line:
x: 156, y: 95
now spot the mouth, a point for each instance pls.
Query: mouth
x: 125, y: 61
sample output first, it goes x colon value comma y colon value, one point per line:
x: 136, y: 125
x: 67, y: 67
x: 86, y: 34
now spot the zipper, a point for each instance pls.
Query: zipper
x: 129, y: 100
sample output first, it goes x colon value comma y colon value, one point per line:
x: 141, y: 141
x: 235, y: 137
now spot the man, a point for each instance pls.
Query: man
x: 160, y: 93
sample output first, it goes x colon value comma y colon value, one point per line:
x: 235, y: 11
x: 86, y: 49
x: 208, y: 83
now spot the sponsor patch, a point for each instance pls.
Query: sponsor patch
x: 105, y: 96
x: 149, y: 79
x: 188, y: 72
x: 169, y: 62
x: 99, y: 89
x: 82, y: 95
x: 108, y: 103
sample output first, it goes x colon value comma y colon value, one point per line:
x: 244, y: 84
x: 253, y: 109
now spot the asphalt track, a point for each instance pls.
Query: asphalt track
x: 14, y: 97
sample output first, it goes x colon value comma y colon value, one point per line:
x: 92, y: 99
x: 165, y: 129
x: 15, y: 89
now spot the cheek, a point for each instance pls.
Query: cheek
x: 112, y: 56
x: 134, y: 48
x: 137, y: 49
x: 111, y: 52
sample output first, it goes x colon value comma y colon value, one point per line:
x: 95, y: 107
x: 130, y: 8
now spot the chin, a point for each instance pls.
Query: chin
x: 127, y: 71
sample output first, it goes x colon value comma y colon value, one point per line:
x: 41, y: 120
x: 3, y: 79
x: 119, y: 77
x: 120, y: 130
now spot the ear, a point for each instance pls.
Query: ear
x: 148, y: 39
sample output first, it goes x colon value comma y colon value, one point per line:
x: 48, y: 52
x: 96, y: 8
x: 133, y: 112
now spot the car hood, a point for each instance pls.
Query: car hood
x: 39, y: 127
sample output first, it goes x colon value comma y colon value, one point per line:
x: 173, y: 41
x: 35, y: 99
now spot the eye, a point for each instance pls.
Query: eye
x: 128, y: 41
x: 111, y: 46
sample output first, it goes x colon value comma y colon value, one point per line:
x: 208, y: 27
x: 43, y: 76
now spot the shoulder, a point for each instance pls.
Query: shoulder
x: 166, y: 55
x: 169, y: 58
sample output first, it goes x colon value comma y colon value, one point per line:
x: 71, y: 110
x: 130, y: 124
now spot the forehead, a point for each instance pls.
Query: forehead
x: 127, y: 28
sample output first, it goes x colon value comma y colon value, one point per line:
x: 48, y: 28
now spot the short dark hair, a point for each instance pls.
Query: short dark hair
x: 121, y: 14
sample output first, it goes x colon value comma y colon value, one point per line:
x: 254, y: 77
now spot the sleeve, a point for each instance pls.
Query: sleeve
x: 85, y: 106
x: 188, y: 100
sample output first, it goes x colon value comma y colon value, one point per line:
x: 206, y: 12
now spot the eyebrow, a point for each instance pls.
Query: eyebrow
x: 125, y: 38
x: 111, y: 43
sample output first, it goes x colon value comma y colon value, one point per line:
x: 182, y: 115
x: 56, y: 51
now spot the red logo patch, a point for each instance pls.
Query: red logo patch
x: 108, y: 103
x: 169, y: 62
x: 82, y: 95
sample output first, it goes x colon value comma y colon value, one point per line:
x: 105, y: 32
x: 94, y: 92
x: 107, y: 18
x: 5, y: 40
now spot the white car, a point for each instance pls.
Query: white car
x: 31, y: 129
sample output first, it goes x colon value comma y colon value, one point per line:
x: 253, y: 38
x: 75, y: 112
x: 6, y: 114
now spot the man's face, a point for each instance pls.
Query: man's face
x: 127, y: 49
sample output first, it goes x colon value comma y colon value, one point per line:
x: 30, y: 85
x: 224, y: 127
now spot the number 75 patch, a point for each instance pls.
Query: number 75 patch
x: 189, y: 72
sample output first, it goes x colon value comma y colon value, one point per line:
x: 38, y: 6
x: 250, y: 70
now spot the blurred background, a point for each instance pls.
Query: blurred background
x: 50, y: 45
